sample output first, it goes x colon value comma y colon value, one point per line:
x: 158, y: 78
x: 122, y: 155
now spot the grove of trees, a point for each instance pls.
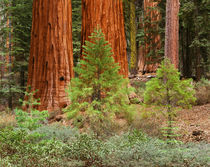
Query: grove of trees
x: 104, y: 83
x: 140, y: 32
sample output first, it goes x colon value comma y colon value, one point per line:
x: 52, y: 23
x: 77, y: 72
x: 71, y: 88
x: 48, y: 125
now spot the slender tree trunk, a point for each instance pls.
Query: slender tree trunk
x: 197, y: 48
x: 22, y: 81
x: 152, y: 38
x: 172, y: 32
x: 51, y: 54
x: 108, y: 15
x: 10, y: 98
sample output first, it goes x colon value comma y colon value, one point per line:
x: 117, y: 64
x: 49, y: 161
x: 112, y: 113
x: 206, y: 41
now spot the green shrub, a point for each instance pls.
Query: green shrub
x: 32, y: 118
x: 148, y: 152
x: 57, y: 132
x: 135, y: 149
x: 132, y: 149
x: 87, y: 149
x: 23, y: 146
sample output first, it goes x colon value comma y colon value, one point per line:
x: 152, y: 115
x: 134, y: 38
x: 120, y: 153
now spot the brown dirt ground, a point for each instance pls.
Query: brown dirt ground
x: 195, y: 123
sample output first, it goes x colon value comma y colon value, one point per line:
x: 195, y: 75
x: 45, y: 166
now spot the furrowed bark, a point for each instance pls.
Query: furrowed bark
x: 172, y: 32
x: 51, y: 54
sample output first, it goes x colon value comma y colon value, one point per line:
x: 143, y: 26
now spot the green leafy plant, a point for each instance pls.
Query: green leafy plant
x: 135, y: 149
x: 32, y: 118
x: 23, y: 145
x: 169, y: 92
x: 99, y: 91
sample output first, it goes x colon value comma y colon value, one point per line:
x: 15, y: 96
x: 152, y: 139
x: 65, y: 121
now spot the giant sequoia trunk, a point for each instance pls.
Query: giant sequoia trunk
x: 172, y: 32
x: 108, y: 15
x: 148, y: 57
x: 51, y: 55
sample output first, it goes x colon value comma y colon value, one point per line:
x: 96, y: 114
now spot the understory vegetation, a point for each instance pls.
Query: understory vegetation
x: 57, y: 145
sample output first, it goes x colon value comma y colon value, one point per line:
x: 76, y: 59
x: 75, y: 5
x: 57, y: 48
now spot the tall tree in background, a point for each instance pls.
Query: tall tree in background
x: 149, y: 57
x: 172, y: 32
x: 108, y: 15
x: 133, y: 29
x: 51, y: 54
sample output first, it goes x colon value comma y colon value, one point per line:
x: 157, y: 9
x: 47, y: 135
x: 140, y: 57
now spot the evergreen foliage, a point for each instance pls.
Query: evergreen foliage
x: 15, y: 26
x: 32, y: 118
x: 167, y: 86
x: 76, y: 28
x: 194, y: 38
x: 99, y: 90
x: 168, y: 91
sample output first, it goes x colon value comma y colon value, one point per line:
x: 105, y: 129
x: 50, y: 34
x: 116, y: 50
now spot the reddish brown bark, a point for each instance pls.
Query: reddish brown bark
x: 152, y: 39
x: 172, y: 32
x: 51, y: 54
x: 108, y: 15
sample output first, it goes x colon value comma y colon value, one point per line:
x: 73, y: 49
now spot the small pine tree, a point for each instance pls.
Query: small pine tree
x: 168, y: 91
x: 99, y: 90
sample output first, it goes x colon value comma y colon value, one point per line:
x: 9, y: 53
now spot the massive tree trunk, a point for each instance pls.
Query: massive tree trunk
x: 172, y: 32
x: 108, y: 15
x: 148, y: 54
x: 51, y: 54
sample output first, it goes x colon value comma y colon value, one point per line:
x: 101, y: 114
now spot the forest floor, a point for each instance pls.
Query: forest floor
x: 193, y: 124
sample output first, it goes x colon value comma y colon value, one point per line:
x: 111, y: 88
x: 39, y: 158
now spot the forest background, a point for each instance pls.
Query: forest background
x: 16, y: 21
